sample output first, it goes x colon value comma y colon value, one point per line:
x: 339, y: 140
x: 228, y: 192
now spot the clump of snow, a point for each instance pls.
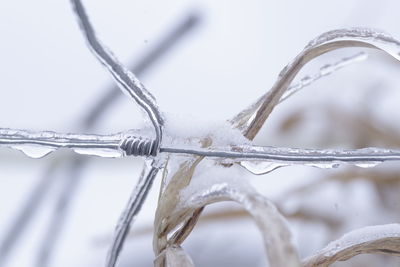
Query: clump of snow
x: 210, y: 174
x: 181, y: 129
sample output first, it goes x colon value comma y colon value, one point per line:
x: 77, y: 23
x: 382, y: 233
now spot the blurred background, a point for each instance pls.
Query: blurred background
x: 221, y: 57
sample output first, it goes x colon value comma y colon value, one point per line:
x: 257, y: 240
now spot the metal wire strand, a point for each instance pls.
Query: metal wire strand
x: 126, y: 144
x: 133, y: 207
x: 35, y: 199
x: 125, y: 79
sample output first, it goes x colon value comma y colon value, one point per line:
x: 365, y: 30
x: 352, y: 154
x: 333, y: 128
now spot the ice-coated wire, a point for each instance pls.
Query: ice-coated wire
x: 94, y: 115
x: 52, y: 140
x: 127, y: 144
x: 111, y: 94
x: 126, y: 80
x: 35, y: 198
x: 133, y: 207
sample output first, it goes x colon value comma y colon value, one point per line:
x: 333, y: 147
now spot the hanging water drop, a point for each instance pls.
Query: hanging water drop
x: 260, y: 168
x: 34, y: 151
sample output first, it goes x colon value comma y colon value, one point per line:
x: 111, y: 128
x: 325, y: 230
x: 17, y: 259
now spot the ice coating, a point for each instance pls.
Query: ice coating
x: 363, y: 235
x: 382, y: 239
x: 325, y: 70
x: 37, y: 144
x: 173, y: 256
x: 366, y: 157
x: 357, y: 33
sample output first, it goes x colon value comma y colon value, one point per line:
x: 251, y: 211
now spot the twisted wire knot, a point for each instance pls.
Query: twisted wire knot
x: 139, y: 146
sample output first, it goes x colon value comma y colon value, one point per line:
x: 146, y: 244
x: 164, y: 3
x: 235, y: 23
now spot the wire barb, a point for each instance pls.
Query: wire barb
x: 138, y: 146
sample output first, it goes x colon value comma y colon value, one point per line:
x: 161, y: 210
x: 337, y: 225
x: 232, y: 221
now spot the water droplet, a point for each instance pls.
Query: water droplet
x: 327, y: 69
x: 367, y: 165
x: 324, y: 165
x: 104, y: 153
x: 259, y: 168
x: 34, y: 151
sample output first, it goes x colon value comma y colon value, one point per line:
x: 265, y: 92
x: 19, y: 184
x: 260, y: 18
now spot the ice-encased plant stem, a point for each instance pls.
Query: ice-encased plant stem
x: 380, y: 239
x: 329, y: 41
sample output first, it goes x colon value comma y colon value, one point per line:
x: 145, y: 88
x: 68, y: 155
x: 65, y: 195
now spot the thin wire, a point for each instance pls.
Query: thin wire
x: 112, y: 93
x: 125, y: 144
x: 94, y: 116
x: 129, y: 214
x: 126, y: 80
x: 294, y: 156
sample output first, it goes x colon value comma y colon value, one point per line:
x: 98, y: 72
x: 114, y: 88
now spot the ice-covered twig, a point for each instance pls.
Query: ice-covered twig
x: 125, y: 79
x: 329, y: 41
x: 381, y: 239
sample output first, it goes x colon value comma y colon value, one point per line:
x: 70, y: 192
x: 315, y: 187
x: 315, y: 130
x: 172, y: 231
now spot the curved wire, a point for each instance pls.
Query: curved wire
x: 126, y: 80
